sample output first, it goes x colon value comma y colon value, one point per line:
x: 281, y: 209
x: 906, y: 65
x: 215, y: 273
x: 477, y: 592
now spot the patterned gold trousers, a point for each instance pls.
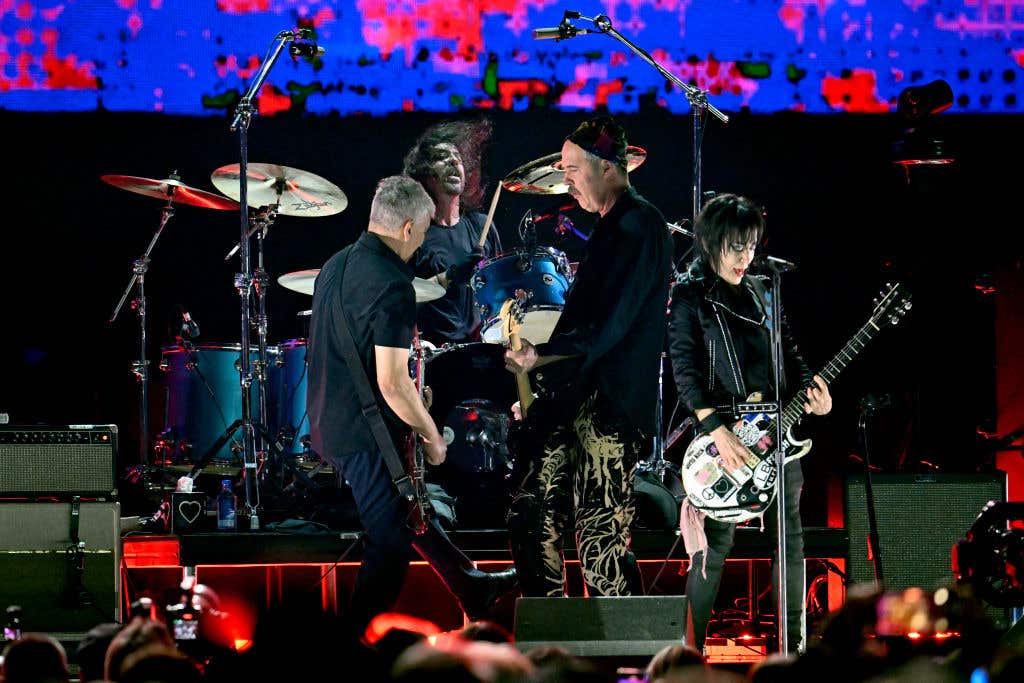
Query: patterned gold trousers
x: 578, y: 476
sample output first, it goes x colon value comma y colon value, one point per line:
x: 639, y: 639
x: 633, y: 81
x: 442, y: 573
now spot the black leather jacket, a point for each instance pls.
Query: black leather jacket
x: 719, y: 341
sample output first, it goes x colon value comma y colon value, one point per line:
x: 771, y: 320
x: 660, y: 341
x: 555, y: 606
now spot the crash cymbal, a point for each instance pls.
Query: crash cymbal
x: 172, y: 189
x: 302, y: 281
x: 295, y: 192
x: 543, y: 176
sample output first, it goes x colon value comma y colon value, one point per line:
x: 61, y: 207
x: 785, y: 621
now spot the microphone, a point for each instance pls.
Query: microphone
x: 563, y: 31
x: 777, y: 264
x: 189, y: 327
x: 306, y: 50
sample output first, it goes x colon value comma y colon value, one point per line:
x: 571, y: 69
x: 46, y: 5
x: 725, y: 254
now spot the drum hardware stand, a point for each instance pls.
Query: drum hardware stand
x: 140, y: 367
x: 266, y: 438
x: 244, y: 280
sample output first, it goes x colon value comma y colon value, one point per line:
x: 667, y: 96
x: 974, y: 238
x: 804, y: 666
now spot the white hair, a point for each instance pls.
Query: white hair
x: 399, y: 198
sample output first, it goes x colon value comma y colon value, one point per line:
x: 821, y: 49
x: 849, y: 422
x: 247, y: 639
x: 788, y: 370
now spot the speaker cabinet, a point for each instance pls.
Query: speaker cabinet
x: 602, y: 626
x: 920, y: 517
x: 62, y: 587
x: 60, y: 461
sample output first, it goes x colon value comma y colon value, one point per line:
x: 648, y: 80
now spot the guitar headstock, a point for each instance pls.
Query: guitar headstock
x: 893, y: 303
x: 512, y: 317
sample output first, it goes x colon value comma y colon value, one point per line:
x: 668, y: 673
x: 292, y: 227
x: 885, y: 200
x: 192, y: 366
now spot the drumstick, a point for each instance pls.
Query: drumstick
x: 490, y: 215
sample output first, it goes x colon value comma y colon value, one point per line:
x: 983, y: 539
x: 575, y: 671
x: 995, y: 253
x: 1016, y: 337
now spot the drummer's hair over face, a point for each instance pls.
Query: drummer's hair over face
x: 726, y: 218
x: 470, y: 138
x: 399, y: 198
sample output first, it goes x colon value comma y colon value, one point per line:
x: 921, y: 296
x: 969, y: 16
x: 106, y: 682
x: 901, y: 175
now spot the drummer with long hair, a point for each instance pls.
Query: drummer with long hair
x: 446, y: 159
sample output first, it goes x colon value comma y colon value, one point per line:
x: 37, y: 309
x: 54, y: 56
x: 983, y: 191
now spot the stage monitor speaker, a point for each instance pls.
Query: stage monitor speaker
x: 58, y: 461
x: 602, y: 626
x: 920, y: 517
x: 63, y: 587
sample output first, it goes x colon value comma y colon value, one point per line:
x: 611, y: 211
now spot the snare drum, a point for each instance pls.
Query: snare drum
x: 542, y: 278
x: 203, y: 396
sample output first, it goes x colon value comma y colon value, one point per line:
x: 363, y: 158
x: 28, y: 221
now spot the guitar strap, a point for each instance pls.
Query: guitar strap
x: 368, y: 401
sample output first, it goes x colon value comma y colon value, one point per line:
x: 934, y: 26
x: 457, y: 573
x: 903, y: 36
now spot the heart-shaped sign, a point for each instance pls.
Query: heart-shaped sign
x: 190, y: 510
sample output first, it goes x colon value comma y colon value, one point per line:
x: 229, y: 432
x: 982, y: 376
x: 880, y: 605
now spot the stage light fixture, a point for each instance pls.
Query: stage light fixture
x: 915, y: 105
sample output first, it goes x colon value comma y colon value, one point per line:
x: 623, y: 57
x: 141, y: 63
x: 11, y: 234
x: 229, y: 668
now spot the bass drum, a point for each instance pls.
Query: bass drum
x: 471, y: 400
x: 203, y: 397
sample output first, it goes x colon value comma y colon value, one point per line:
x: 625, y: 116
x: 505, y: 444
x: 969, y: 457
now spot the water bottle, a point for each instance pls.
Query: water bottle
x: 226, y: 506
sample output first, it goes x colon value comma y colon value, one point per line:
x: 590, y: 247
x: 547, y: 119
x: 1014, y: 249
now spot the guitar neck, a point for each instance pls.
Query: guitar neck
x: 795, y: 408
x: 523, y: 387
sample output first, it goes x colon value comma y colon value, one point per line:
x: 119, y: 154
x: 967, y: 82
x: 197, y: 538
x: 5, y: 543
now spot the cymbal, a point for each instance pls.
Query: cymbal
x: 295, y: 192
x: 544, y: 175
x: 171, y: 189
x: 301, y: 281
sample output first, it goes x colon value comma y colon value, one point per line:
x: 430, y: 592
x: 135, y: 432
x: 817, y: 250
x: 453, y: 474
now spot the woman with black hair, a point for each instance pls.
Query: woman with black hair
x: 721, y: 351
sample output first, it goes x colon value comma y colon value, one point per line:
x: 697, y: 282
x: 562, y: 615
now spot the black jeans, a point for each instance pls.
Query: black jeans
x: 701, y: 591
x: 387, y: 544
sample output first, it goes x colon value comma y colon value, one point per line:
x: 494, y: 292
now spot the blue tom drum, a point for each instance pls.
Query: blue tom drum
x: 540, y: 279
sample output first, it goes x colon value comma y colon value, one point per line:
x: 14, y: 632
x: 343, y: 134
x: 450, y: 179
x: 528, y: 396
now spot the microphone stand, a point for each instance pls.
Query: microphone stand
x: 869, y: 408
x: 699, y: 105
x: 781, y: 577
x: 698, y: 98
x: 140, y: 368
x: 244, y: 280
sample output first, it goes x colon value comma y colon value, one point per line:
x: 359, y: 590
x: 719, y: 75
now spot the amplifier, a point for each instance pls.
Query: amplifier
x: 61, y: 563
x: 59, y: 461
x: 920, y: 517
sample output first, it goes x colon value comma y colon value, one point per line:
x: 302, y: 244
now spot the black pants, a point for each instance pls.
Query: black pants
x: 581, y: 470
x: 701, y: 591
x: 387, y: 545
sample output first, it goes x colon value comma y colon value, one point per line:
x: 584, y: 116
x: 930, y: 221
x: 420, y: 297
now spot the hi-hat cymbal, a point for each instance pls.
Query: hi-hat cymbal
x: 295, y: 192
x: 544, y: 175
x: 302, y: 281
x: 171, y: 189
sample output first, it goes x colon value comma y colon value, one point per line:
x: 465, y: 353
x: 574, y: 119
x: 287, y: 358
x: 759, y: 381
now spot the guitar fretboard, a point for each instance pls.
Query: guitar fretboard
x: 795, y: 408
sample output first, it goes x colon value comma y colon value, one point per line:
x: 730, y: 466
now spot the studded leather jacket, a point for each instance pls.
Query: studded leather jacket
x: 720, y: 342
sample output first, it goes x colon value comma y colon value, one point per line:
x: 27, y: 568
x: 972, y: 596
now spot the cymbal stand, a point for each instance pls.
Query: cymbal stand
x: 140, y: 367
x: 244, y: 112
x: 262, y: 220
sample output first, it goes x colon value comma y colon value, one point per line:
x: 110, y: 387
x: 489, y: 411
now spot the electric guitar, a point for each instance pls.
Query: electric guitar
x: 512, y: 316
x: 412, y: 453
x: 747, y: 493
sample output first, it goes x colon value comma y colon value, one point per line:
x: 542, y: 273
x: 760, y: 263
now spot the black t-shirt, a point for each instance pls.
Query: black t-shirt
x: 752, y: 339
x: 380, y: 310
x: 455, y: 316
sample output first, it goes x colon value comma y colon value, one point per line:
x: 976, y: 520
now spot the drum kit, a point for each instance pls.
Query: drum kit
x: 471, y: 392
